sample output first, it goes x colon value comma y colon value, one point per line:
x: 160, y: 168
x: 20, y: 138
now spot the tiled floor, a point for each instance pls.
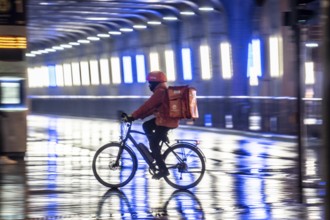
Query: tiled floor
x: 246, y: 178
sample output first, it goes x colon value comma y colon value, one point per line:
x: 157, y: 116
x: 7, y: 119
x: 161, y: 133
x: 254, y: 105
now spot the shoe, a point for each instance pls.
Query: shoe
x: 160, y: 174
x: 5, y: 160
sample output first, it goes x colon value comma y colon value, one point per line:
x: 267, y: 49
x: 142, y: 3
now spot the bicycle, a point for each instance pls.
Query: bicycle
x: 115, y: 163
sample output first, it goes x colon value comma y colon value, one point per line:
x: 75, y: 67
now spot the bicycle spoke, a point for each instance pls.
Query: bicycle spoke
x: 109, y: 171
x: 191, y: 172
x: 186, y: 166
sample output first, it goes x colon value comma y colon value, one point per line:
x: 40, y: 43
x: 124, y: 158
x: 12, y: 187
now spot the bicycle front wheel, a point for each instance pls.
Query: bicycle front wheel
x: 110, y: 172
x: 186, y: 165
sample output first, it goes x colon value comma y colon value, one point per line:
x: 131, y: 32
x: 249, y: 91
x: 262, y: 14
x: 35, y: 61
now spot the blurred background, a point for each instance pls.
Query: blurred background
x: 258, y: 65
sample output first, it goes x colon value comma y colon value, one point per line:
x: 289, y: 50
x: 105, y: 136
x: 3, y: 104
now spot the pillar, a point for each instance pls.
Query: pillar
x: 13, y: 78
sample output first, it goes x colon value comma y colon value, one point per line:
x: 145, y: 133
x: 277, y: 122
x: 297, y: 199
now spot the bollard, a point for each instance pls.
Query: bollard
x: 229, y: 121
x: 208, y: 120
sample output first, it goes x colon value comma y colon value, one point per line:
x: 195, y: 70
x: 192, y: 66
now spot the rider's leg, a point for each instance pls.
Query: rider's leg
x: 149, y: 127
x: 155, y: 134
x: 160, y: 132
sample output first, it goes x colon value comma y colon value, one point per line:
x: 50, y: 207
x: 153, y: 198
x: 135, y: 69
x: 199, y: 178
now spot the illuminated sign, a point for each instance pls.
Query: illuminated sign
x: 11, y: 92
x: 12, y: 12
x: 7, y: 42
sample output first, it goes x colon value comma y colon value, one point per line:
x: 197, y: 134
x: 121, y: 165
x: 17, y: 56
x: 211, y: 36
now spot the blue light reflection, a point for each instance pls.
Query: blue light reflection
x: 52, y: 76
x: 250, y: 183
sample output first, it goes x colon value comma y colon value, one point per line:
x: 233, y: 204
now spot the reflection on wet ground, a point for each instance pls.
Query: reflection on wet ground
x: 247, y: 178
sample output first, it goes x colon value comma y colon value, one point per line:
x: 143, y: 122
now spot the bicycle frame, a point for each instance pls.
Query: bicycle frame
x: 135, y: 143
x: 129, y: 137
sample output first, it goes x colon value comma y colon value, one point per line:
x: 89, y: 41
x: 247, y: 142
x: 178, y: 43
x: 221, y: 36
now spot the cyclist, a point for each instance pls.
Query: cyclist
x: 157, y: 127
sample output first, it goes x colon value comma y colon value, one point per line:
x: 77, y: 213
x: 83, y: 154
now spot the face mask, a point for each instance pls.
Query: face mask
x: 152, y: 86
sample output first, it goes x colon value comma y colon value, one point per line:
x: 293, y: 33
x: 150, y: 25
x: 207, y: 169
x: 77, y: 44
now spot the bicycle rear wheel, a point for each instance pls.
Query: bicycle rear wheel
x: 186, y: 165
x: 105, y: 169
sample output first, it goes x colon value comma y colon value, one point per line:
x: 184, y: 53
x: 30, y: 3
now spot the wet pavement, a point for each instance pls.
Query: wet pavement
x: 248, y: 177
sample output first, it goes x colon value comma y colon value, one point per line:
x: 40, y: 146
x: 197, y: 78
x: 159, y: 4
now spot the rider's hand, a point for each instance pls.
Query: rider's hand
x: 126, y: 117
x: 130, y: 118
x: 123, y: 114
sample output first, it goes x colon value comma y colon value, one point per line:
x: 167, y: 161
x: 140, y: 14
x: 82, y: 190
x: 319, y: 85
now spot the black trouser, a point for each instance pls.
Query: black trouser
x: 155, y: 134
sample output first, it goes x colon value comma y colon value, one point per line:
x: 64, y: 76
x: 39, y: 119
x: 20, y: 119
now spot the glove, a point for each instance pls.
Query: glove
x: 130, y: 118
x: 126, y: 117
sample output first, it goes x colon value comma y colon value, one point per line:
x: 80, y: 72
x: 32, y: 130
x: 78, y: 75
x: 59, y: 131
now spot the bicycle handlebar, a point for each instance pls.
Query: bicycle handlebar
x: 123, y: 115
x: 125, y: 118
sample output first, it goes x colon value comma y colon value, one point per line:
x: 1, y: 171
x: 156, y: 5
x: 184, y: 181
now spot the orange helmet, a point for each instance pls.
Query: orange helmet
x: 156, y: 76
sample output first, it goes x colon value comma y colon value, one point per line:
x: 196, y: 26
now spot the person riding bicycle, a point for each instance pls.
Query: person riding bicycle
x: 156, y: 128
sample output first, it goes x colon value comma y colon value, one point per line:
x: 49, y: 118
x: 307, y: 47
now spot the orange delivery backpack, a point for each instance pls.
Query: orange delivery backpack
x: 182, y: 102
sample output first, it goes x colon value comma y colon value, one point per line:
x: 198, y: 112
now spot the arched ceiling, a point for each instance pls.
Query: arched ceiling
x: 55, y: 22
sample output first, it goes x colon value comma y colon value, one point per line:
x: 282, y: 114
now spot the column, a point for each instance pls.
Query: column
x: 12, y: 78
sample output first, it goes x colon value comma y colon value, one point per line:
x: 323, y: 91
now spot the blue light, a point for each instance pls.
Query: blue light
x: 250, y: 60
x: 52, y: 76
x: 208, y: 120
x: 127, y: 66
x: 254, y: 58
x: 186, y: 63
x: 140, y: 68
x: 254, y: 62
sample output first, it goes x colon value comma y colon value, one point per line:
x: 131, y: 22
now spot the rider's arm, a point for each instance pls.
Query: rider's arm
x: 150, y: 106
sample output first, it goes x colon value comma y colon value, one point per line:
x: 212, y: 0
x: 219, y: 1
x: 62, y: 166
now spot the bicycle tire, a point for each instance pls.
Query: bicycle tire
x: 109, y: 174
x: 187, y: 171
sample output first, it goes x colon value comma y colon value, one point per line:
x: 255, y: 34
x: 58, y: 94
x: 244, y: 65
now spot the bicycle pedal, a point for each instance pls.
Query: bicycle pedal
x: 160, y: 175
